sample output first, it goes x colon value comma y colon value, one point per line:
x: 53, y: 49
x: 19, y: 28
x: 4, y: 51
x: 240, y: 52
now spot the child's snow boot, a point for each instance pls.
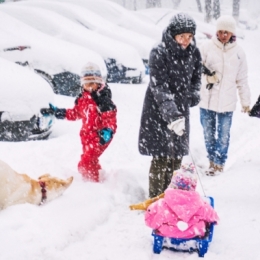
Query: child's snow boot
x: 89, y: 173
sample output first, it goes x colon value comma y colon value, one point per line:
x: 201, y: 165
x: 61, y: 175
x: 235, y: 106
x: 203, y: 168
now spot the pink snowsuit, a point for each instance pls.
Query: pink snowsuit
x: 180, y: 214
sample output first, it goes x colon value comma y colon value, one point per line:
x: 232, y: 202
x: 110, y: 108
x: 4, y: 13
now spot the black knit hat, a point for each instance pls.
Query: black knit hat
x: 181, y: 23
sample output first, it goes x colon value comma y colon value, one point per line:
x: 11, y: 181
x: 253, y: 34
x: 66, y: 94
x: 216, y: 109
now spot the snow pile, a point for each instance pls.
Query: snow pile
x: 22, y: 91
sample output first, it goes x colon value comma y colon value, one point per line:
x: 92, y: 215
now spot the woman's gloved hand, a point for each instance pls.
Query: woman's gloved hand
x: 211, y: 77
x: 178, y: 126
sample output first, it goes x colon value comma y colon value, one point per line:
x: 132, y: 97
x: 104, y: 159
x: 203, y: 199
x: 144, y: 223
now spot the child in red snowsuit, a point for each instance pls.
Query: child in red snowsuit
x: 98, y: 113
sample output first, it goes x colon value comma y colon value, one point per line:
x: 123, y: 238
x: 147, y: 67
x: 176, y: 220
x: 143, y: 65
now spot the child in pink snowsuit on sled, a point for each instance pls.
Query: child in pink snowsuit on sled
x: 182, y: 213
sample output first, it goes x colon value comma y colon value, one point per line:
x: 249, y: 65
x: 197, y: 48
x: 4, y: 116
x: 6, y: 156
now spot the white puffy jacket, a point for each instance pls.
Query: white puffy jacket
x: 229, y: 62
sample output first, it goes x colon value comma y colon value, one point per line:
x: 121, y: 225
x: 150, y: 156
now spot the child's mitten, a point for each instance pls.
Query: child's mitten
x: 105, y: 135
x: 59, y: 113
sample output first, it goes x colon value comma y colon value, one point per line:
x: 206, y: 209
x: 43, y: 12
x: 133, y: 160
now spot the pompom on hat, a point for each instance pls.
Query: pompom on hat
x: 226, y: 23
x: 91, y: 73
x: 185, y: 178
x: 181, y: 23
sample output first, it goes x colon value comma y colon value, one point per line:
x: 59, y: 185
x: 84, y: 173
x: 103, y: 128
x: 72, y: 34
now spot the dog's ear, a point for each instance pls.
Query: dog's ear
x: 44, y: 176
x: 69, y: 180
x: 65, y: 183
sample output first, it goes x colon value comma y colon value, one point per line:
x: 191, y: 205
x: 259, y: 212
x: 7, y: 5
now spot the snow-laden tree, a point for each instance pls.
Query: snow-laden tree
x: 176, y: 3
x: 216, y: 9
x: 153, y: 3
x: 208, y: 10
x: 236, y: 7
x: 199, y: 6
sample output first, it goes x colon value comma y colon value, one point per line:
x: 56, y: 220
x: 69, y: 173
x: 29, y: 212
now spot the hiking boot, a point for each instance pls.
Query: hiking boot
x: 211, y: 164
x: 211, y: 171
x: 219, y: 168
x: 214, y: 169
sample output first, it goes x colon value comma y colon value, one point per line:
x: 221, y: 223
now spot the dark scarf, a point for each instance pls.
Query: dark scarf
x: 175, y: 49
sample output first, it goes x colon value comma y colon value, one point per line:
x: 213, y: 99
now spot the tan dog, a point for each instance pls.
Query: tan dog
x: 18, y: 188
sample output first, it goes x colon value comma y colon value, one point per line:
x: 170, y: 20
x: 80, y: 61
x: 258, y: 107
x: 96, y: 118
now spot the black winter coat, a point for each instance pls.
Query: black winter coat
x: 175, y: 79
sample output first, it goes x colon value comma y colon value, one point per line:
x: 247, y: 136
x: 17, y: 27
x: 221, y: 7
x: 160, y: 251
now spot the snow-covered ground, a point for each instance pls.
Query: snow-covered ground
x: 92, y: 220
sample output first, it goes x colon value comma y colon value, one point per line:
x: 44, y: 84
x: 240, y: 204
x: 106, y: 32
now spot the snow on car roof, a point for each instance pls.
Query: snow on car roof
x: 61, y: 27
x: 119, y: 16
x: 97, y: 23
x: 22, y: 91
x: 48, y: 53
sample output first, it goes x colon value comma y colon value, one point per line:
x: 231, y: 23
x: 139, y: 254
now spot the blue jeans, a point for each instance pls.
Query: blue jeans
x: 216, y: 128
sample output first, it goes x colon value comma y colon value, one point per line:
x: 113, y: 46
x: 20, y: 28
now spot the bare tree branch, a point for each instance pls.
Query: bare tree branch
x: 199, y: 6
x: 216, y: 9
x: 236, y: 8
x: 208, y: 10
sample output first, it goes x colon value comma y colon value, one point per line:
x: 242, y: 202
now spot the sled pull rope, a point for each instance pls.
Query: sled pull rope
x: 195, y: 168
x: 197, y: 172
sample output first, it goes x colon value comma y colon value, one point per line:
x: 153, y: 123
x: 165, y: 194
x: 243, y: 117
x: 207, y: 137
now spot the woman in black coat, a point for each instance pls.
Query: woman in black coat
x: 175, y: 78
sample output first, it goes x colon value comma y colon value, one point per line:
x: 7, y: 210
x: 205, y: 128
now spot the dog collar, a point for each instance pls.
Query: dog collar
x: 44, y: 191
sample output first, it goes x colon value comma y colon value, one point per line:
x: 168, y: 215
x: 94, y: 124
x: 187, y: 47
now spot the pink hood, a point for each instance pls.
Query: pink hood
x: 180, y: 214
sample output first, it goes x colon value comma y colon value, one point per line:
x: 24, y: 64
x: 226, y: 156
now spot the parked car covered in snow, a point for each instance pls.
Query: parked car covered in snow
x: 23, y: 93
x: 119, y: 15
x: 123, y: 62
x: 95, y: 22
x: 62, y: 61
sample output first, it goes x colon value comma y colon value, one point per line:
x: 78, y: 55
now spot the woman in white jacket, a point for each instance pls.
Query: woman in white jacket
x: 226, y: 74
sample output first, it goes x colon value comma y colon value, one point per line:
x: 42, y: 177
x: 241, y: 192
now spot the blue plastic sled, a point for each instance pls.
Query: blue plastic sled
x: 185, y: 245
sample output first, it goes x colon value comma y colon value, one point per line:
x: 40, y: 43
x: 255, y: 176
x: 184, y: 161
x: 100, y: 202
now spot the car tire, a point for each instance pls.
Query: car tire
x: 137, y: 80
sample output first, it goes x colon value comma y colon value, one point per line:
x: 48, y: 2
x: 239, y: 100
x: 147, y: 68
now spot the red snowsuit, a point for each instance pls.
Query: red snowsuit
x: 97, y: 111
